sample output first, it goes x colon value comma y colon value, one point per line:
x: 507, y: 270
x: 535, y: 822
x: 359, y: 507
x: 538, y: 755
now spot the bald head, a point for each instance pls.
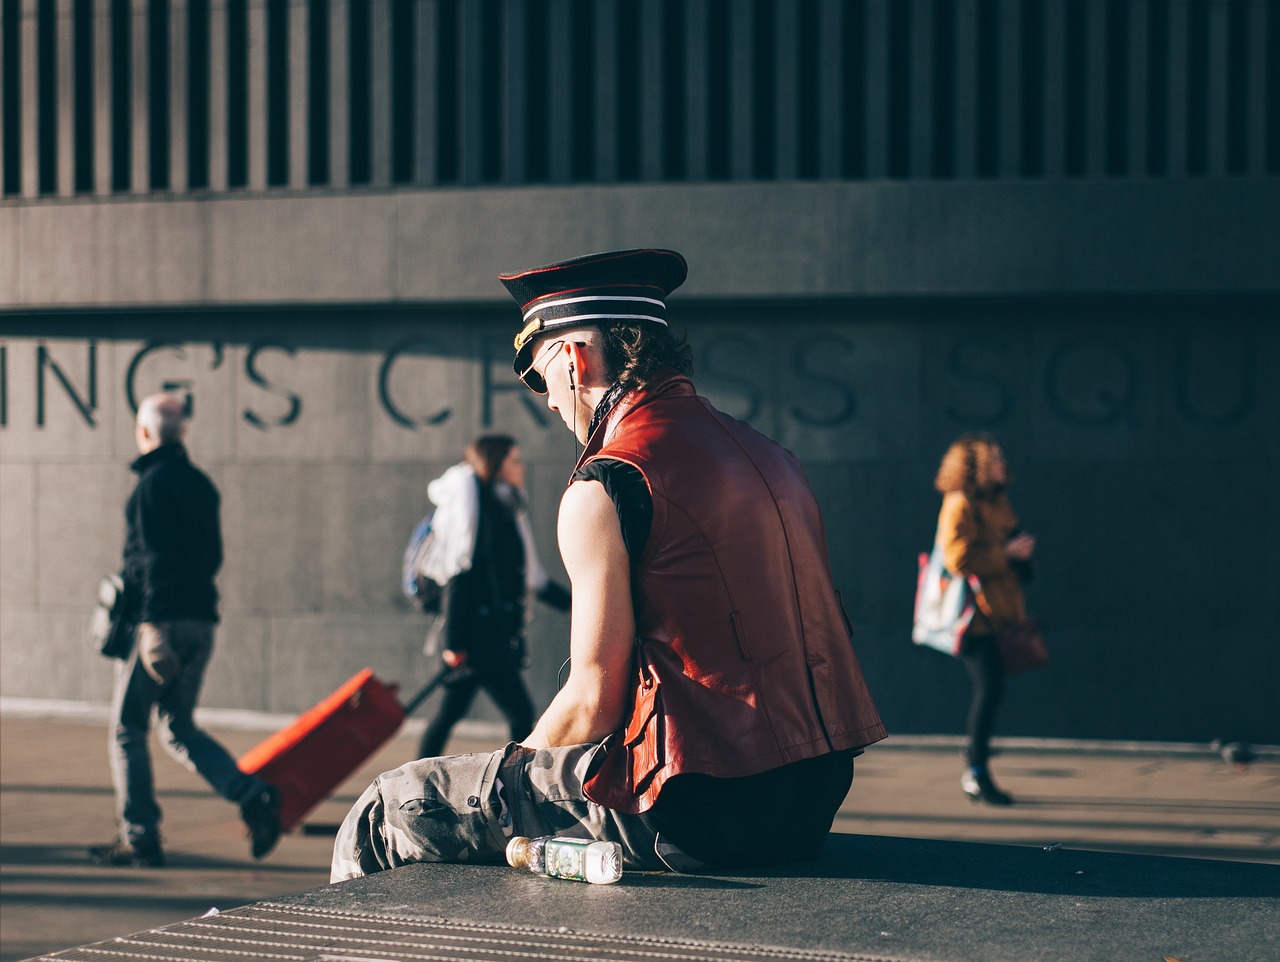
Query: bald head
x: 161, y: 418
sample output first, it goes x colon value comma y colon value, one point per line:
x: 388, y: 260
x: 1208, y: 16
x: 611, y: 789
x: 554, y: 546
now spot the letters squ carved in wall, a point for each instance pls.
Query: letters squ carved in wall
x: 982, y: 396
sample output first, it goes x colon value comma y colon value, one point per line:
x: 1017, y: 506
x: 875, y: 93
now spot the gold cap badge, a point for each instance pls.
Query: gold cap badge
x: 530, y: 329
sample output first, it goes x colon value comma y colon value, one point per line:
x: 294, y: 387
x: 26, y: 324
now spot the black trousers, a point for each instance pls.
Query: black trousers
x: 982, y: 661
x: 506, y: 688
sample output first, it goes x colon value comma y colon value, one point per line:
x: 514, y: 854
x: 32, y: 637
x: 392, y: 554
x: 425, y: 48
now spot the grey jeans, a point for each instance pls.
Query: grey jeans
x: 463, y: 808
x: 137, y: 694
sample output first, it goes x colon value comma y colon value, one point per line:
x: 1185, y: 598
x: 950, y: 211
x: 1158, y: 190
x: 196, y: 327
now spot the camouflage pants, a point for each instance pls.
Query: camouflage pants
x: 463, y: 808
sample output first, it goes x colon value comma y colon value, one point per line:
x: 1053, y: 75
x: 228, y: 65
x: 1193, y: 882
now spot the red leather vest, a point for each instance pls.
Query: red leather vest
x: 744, y: 661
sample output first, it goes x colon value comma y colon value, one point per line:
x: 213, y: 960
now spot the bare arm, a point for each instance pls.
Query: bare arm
x: 602, y: 627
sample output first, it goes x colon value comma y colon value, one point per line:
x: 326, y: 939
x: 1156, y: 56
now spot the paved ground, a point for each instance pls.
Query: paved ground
x: 55, y: 798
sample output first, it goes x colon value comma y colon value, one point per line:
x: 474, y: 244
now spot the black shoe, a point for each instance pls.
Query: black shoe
x: 261, y: 815
x: 145, y: 853
x: 977, y: 784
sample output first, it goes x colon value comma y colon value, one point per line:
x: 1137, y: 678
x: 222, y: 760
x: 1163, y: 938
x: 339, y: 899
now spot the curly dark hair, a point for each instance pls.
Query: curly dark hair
x: 967, y: 465
x: 636, y: 354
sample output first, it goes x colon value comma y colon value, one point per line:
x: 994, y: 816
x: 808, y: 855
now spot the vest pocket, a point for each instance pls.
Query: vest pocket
x: 643, y: 738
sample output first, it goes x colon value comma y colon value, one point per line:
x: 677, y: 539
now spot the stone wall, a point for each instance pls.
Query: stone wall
x: 1144, y: 436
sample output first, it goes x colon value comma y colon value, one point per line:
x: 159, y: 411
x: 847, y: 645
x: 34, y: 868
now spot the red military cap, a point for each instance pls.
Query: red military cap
x: 630, y: 285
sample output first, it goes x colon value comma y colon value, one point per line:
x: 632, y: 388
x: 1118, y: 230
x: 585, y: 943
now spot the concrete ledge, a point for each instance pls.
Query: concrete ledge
x: 869, y: 897
x: 821, y: 239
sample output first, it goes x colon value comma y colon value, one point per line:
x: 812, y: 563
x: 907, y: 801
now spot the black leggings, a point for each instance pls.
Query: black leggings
x: 986, y: 672
x: 508, y: 692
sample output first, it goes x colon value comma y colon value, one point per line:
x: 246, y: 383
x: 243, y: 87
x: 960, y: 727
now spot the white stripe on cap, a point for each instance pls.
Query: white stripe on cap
x: 579, y: 300
x: 574, y: 318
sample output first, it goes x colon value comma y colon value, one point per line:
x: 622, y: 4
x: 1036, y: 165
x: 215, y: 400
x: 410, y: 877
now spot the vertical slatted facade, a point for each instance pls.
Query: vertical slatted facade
x: 105, y: 97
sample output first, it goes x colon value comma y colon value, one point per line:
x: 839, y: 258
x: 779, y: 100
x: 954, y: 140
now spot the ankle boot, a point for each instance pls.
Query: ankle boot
x: 977, y: 784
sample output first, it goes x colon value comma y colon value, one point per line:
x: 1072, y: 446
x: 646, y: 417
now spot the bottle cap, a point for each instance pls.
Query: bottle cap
x: 518, y: 852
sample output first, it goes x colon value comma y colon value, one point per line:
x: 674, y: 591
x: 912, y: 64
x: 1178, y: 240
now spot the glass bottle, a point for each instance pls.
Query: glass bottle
x: 581, y: 859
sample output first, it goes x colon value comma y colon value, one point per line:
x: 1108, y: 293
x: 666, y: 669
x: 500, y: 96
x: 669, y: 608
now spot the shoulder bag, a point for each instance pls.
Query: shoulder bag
x: 944, y: 605
x: 1021, y: 647
x: 115, y: 619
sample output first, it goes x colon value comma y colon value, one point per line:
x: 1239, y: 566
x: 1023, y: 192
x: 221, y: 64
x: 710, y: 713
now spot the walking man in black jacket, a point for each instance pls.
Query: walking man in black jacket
x: 172, y: 551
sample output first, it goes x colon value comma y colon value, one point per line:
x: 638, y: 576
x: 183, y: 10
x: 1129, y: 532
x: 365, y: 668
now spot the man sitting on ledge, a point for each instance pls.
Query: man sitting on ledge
x: 714, y: 705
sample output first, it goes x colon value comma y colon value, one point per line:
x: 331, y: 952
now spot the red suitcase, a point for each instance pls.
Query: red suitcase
x: 311, y: 757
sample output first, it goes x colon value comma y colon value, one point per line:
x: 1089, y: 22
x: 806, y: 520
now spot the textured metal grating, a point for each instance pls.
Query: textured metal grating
x: 272, y: 931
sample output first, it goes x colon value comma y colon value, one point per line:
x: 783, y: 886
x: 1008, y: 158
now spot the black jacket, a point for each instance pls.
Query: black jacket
x: 173, y: 543
x: 483, y: 607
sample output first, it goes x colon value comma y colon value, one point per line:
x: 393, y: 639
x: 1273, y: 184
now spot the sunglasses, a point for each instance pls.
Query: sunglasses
x: 534, y: 381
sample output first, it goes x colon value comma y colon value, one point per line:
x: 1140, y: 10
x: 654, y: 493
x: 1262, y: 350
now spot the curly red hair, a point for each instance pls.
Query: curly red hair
x: 968, y: 465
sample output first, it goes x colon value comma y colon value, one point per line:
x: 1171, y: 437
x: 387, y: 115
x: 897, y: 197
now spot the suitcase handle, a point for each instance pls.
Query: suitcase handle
x: 444, y: 674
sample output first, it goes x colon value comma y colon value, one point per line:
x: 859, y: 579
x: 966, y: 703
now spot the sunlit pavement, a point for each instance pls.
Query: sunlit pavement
x: 56, y: 799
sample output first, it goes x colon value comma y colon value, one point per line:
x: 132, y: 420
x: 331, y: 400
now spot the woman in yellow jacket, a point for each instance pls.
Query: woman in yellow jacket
x: 980, y: 536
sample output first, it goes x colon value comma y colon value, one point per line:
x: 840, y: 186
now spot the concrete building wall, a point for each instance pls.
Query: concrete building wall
x: 806, y: 240
x: 1142, y: 433
x: 1055, y: 221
